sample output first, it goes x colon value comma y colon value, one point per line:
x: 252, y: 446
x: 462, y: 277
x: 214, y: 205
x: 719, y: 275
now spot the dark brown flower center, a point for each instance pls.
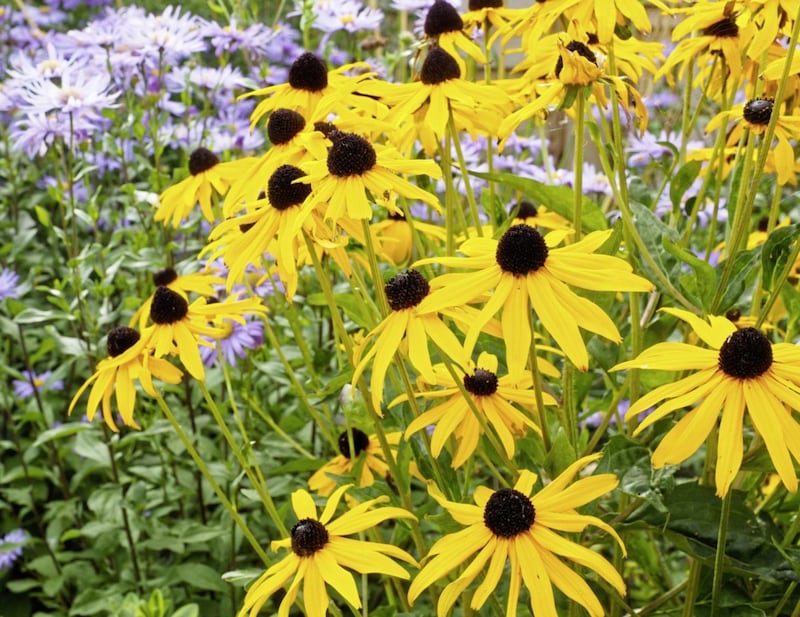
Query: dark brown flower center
x: 725, y: 28
x: 168, y: 306
x: 508, y: 513
x: 481, y: 382
x: 477, y: 5
x: 521, y: 250
x: 308, y: 536
x: 121, y: 339
x: 360, y: 443
x: 283, y: 125
x: 405, y: 290
x: 581, y: 50
x: 758, y: 111
x: 350, y: 155
x: 202, y: 160
x: 439, y: 66
x: 442, y: 17
x: 525, y: 210
x: 733, y: 315
x: 308, y: 72
x: 746, y: 354
x: 326, y: 128
x: 763, y: 224
x: 165, y: 277
x: 245, y: 227
x: 283, y: 191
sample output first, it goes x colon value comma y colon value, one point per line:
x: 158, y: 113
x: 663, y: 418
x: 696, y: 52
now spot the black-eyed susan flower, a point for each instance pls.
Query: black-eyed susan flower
x: 208, y: 178
x: 354, y: 168
x: 321, y: 555
x: 129, y: 360
x: 404, y: 292
x: 520, y: 527
x: 444, y: 27
x: 742, y: 371
x: 525, y: 213
x: 522, y: 270
x: 366, y: 457
x: 396, y: 236
x: 496, y: 397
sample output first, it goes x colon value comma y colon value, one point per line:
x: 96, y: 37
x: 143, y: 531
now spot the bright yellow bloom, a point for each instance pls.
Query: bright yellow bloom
x: 515, y: 526
x: 445, y: 28
x: 320, y: 552
x: 742, y: 371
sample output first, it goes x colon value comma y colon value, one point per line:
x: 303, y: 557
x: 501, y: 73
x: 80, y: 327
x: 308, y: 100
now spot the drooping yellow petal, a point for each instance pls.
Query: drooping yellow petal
x: 730, y: 443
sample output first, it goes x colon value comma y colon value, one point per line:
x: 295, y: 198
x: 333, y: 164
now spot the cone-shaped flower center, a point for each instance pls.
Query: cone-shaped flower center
x: 405, y: 290
x: 442, y: 17
x: 283, y: 125
x: 326, y: 128
x: 525, y: 210
x: 202, y: 160
x: 308, y: 72
x: 508, y: 513
x: 746, y: 354
x: 758, y: 111
x: 350, y: 155
x: 481, y: 382
x: 733, y: 315
x: 308, y: 536
x: 360, y: 443
x: 723, y: 29
x: 581, y: 50
x: 521, y: 250
x: 439, y: 66
x: 121, y: 339
x: 168, y: 306
x: 477, y: 5
x: 282, y: 190
x: 165, y: 277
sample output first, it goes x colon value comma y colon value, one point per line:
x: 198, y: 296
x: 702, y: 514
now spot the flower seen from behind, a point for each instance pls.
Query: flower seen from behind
x: 322, y: 554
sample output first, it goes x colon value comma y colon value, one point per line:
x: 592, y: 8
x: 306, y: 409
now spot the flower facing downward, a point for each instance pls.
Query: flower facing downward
x: 514, y: 525
x: 320, y: 552
x: 741, y: 372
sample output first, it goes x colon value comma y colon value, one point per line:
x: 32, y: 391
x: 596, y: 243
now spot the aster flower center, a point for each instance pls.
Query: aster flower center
x: 581, y: 50
x: 525, y: 210
x: 725, y: 28
x: 283, y: 125
x: 481, y: 382
x: 121, y: 339
x: 164, y: 277
x: 308, y: 72
x: 758, y: 111
x: 746, y: 354
x: 283, y: 191
x: 521, y: 250
x: 360, y: 443
x: 168, y: 307
x: 405, y: 290
x: 350, y: 155
x: 202, y: 160
x: 508, y: 513
x: 308, y: 536
x: 477, y: 5
x: 439, y: 66
x: 442, y: 17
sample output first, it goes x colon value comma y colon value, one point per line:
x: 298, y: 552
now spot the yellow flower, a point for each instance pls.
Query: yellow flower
x: 129, y: 359
x: 522, y: 270
x: 320, y: 552
x: 445, y: 28
x: 515, y: 526
x: 494, y: 397
x: 742, y: 371
x: 396, y: 236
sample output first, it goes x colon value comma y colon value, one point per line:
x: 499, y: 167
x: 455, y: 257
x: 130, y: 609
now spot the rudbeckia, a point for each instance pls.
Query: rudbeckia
x: 320, y: 552
x: 354, y: 167
x: 741, y: 372
x: 207, y: 178
x: 522, y: 270
x: 129, y: 359
x: 396, y: 236
x: 444, y: 26
x: 496, y: 398
x: 518, y: 526
x: 525, y: 213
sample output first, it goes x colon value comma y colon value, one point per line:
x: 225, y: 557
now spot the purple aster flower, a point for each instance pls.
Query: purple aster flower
x: 9, y: 284
x: 347, y: 15
x: 35, y: 133
x: 11, y: 547
x: 234, y: 346
x: 253, y: 40
x: 25, y: 388
x: 82, y: 93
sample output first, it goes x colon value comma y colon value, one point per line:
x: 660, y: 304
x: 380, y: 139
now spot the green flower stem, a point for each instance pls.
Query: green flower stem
x: 450, y: 198
x: 787, y: 594
x: 487, y: 77
x: 375, y: 271
x: 473, y: 205
x: 692, y: 587
x: 610, y: 413
x: 719, y: 558
x: 187, y: 443
x: 577, y: 167
x: 536, y: 375
x: 252, y: 404
x: 687, y: 110
x: 665, y: 597
x: 568, y: 408
x: 776, y: 293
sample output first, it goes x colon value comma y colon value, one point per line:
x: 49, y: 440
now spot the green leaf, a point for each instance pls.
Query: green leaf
x: 243, y: 577
x: 42, y: 215
x: 745, y: 267
x: 188, y: 610
x: 682, y: 180
x: 775, y: 253
x: 560, y: 199
x: 201, y: 576
x: 700, y: 287
x: 655, y: 234
x: 37, y: 316
x: 59, y: 432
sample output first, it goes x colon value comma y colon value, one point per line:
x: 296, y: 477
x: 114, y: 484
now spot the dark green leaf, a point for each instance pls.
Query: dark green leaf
x: 201, y: 576
x: 775, y: 253
x: 682, y: 180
